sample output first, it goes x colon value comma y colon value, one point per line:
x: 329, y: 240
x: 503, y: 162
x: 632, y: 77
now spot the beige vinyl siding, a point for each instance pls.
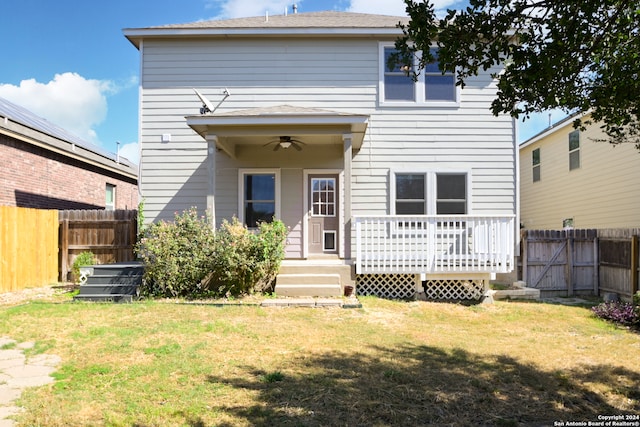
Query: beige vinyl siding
x: 338, y: 75
x: 602, y: 193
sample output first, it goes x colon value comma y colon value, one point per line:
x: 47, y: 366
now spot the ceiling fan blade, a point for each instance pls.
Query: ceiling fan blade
x: 277, y: 147
x: 296, y: 146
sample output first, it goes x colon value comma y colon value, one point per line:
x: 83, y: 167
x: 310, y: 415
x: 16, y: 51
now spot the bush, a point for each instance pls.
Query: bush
x: 176, y: 255
x: 622, y: 313
x: 244, y: 261
x: 84, y: 258
x: 186, y: 258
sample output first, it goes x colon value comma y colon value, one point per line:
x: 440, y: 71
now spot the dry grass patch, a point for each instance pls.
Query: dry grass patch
x: 390, y: 363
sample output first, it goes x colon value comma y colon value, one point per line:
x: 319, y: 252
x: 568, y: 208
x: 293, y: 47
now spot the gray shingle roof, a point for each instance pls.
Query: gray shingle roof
x: 327, y: 19
x: 280, y: 109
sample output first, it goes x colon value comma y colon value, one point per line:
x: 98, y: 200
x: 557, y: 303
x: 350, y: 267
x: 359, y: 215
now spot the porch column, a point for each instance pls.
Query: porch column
x: 347, y: 143
x: 212, y: 140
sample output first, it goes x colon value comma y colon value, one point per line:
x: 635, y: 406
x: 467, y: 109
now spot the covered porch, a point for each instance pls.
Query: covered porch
x: 304, y: 155
x: 307, y: 151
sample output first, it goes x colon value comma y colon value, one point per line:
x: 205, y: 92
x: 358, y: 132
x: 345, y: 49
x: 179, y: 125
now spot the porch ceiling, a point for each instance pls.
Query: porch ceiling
x: 259, y: 126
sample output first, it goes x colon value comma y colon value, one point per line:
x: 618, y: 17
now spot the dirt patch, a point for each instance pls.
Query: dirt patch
x: 46, y: 293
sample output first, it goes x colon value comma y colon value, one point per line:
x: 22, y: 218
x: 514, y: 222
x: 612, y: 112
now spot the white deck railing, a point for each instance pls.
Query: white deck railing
x: 434, y: 244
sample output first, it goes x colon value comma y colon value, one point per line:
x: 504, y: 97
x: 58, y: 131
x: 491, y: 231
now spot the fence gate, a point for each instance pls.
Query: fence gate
x: 619, y: 261
x: 560, y: 262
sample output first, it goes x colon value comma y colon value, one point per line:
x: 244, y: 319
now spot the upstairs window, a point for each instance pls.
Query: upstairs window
x: 574, y: 150
x: 438, y: 86
x: 432, y: 88
x: 398, y: 84
x: 535, y: 160
x: 110, y: 197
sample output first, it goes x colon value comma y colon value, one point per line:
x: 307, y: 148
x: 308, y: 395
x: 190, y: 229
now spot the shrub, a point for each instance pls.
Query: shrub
x: 622, y: 313
x: 186, y: 258
x: 84, y: 258
x: 176, y: 255
x: 246, y: 261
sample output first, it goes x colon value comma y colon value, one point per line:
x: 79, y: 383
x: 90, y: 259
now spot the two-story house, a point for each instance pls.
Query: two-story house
x: 576, y: 179
x: 402, y: 187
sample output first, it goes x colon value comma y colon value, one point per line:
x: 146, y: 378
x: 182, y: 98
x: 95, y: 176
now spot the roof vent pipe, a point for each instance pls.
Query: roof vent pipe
x: 295, y: 8
x: 266, y: 16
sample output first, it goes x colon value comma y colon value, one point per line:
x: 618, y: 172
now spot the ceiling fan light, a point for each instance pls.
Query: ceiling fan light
x: 285, y: 144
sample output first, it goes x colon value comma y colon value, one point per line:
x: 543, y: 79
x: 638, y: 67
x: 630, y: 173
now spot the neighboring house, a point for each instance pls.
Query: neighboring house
x: 408, y: 186
x: 46, y: 167
x: 568, y: 179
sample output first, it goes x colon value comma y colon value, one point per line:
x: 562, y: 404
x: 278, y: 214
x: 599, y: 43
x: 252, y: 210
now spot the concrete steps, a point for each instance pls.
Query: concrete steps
x: 112, y: 283
x: 313, y: 279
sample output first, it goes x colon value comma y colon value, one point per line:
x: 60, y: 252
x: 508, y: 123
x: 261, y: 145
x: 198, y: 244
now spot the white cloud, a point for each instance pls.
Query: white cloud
x: 131, y: 152
x: 243, y: 8
x: 71, y: 101
x: 378, y: 7
x: 391, y: 7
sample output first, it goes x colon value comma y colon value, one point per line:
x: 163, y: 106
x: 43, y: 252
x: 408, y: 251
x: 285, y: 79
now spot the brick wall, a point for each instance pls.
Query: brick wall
x: 33, y: 177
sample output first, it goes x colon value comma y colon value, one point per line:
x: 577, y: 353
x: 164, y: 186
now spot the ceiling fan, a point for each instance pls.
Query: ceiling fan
x: 286, y: 142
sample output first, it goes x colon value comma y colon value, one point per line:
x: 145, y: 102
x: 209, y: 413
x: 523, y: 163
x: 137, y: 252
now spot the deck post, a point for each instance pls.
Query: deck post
x: 212, y: 140
x: 347, y: 140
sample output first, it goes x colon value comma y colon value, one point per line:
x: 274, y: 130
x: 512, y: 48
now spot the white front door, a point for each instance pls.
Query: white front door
x: 323, y: 223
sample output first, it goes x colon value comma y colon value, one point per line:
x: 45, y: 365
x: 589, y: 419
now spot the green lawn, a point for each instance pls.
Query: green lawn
x: 389, y: 363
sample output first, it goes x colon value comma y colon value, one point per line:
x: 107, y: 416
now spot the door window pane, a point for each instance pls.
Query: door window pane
x: 323, y: 196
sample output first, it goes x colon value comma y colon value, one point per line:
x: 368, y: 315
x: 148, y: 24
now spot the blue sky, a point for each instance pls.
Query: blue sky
x: 68, y: 61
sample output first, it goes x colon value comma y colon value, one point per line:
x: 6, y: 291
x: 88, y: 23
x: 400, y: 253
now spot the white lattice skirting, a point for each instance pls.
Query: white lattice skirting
x: 448, y: 289
x: 395, y: 286
x: 403, y: 286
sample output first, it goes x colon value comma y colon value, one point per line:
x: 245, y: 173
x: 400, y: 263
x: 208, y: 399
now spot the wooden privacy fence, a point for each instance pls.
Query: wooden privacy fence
x: 28, y: 248
x: 109, y: 235
x: 570, y: 262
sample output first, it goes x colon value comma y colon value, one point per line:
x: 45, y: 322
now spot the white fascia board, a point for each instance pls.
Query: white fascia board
x: 275, y: 120
x: 135, y: 36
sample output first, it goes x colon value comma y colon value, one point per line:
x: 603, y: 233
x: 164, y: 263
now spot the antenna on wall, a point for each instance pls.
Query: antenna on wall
x: 207, y: 106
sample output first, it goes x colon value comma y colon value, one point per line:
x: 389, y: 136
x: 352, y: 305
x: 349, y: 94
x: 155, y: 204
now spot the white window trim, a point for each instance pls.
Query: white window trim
x: 336, y: 208
x: 111, y: 207
x: 537, y: 166
x: 430, y: 187
x: 419, y: 94
x: 575, y: 150
x: 241, y: 175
